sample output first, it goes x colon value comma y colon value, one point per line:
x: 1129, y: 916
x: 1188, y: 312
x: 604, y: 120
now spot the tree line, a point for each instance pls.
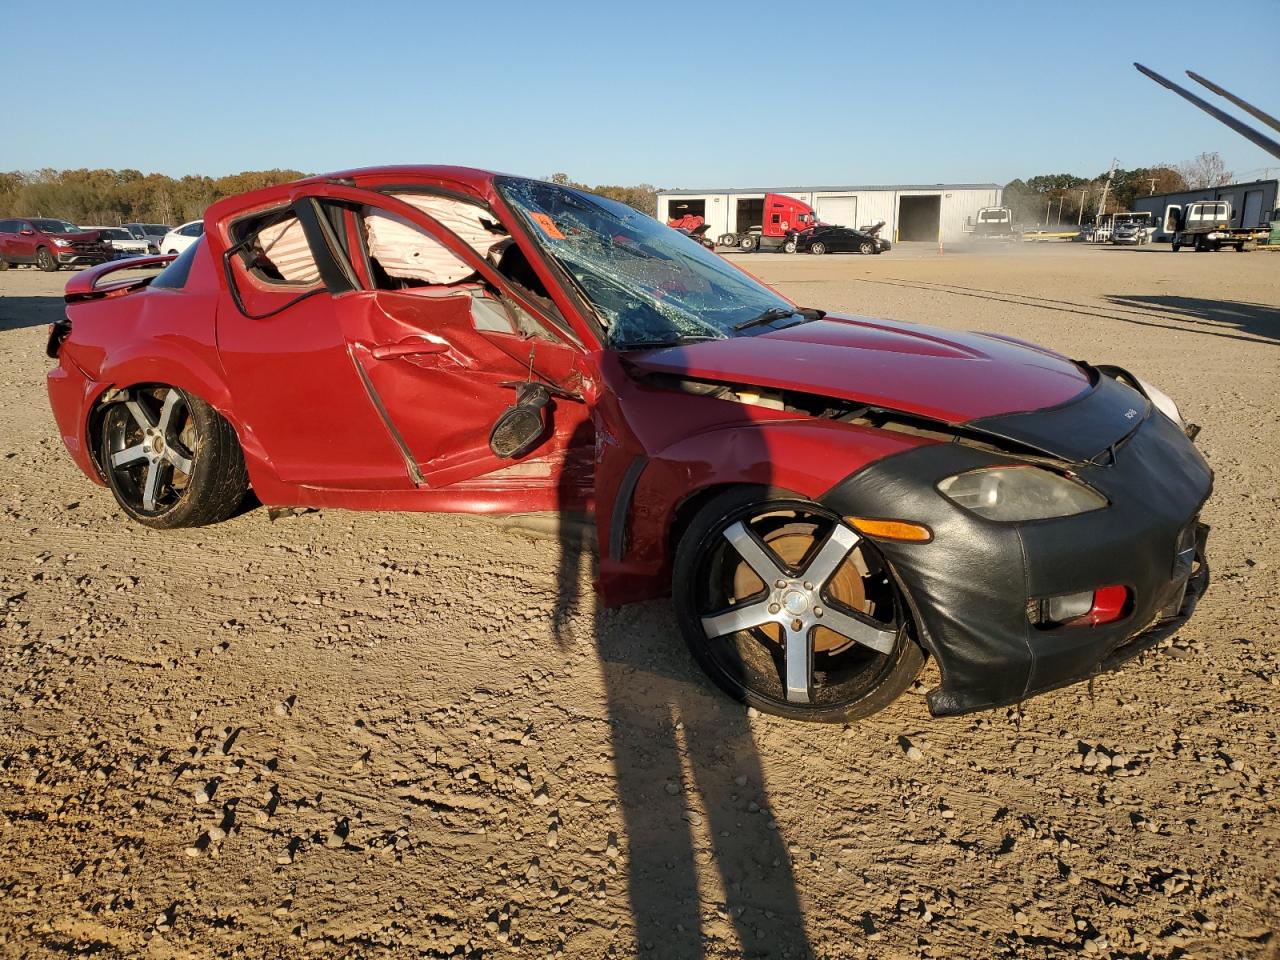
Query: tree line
x: 1066, y: 198
x: 111, y: 197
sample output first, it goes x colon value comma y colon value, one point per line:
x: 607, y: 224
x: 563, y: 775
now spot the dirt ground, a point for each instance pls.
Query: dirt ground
x: 398, y: 735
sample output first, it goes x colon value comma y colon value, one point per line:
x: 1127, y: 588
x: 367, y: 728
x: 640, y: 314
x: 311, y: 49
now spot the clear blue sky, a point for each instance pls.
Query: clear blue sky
x: 676, y: 94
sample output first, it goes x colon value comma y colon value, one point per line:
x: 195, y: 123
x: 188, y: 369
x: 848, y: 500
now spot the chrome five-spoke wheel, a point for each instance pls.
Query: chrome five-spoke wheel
x: 787, y: 608
x: 150, y: 439
x: 170, y: 459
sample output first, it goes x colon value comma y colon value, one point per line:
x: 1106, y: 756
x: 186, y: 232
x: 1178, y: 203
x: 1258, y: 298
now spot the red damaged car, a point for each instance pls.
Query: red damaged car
x: 827, y: 498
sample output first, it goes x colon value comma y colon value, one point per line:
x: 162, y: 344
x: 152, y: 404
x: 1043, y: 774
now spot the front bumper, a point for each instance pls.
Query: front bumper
x: 970, y: 587
x: 81, y: 258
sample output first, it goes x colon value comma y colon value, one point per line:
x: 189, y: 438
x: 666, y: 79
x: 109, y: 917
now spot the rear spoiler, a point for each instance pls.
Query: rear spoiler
x: 84, y: 285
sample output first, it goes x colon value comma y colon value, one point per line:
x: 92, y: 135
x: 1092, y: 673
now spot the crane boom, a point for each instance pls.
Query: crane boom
x: 1244, y: 105
x: 1246, y: 131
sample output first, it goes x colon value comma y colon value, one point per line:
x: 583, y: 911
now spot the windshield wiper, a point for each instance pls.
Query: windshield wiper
x: 781, y: 313
x: 770, y: 315
x: 675, y: 340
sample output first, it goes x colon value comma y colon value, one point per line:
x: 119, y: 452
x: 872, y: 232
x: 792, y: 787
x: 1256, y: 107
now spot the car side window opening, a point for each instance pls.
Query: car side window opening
x: 275, y: 251
x: 403, y: 257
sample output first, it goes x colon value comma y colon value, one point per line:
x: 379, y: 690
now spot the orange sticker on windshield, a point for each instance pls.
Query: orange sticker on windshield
x: 548, y: 226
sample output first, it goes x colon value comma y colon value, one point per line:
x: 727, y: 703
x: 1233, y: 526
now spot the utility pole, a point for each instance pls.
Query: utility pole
x: 1106, y: 187
x: 1153, y: 186
x: 1084, y: 192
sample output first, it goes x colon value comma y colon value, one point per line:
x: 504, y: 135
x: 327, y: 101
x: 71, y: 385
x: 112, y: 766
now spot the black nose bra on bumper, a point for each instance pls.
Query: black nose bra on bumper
x: 971, y: 587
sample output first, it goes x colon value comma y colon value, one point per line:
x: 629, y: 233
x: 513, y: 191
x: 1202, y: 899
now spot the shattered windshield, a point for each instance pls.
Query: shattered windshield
x: 651, y: 285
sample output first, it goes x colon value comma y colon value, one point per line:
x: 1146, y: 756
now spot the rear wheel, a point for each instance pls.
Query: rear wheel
x: 787, y: 609
x: 818, y: 248
x: 789, y: 247
x: 749, y: 242
x: 4, y: 264
x: 173, y: 253
x: 170, y: 459
x: 45, y: 260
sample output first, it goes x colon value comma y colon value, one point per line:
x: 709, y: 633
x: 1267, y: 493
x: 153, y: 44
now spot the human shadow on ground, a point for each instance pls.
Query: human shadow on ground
x: 690, y: 786
x: 17, y: 313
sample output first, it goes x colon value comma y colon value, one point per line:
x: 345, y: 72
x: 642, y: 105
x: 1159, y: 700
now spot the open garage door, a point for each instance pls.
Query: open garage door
x: 678, y: 207
x: 750, y: 213
x: 919, y: 217
x: 842, y: 211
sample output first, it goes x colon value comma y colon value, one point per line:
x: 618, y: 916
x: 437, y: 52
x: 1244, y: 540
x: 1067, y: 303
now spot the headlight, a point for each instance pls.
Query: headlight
x: 1019, y: 493
x: 1162, y: 402
x: 58, y: 241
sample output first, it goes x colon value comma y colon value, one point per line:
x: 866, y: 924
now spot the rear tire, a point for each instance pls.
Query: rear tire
x: 170, y: 459
x: 4, y: 264
x: 748, y: 243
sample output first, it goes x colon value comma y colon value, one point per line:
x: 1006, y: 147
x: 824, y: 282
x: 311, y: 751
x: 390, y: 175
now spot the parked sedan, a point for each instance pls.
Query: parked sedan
x: 122, y: 241
x: 825, y: 238
x: 179, y: 238
x: 826, y: 498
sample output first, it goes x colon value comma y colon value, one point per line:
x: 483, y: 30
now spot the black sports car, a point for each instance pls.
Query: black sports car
x: 826, y: 238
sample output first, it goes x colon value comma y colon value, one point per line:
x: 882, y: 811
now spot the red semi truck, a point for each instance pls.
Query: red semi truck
x: 782, y: 216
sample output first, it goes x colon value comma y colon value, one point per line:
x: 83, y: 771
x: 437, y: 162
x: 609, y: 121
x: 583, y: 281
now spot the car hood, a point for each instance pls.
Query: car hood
x: 940, y: 374
x: 80, y: 236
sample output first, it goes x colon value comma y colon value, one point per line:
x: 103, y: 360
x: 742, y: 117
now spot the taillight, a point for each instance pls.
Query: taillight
x: 1089, y: 608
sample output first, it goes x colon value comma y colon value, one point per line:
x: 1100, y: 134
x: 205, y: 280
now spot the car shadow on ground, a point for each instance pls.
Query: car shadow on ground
x: 1258, y: 319
x: 1209, y: 317
x: 19, y: 312
x: 690, y: 785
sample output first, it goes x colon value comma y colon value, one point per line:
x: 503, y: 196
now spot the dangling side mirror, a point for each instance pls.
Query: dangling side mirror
x: 521, y: 425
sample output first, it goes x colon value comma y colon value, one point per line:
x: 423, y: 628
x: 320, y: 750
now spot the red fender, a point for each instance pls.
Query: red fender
x: 808, y: 457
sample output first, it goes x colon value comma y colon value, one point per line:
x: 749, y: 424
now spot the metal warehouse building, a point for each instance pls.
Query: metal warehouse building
x: 1252, y: 204
x: 910, y: 212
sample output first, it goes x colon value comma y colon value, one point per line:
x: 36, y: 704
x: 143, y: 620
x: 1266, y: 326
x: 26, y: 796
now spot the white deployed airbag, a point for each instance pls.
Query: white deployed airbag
x: 405, y: 251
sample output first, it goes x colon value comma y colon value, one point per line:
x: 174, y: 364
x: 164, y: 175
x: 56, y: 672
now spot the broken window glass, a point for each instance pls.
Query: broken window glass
x: 648, y: 283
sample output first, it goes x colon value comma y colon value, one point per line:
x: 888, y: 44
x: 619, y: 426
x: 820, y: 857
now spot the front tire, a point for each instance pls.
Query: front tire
x: 788, y: 610
x: 866, y: 248
x: 170, y: 459
x: 45, y: 260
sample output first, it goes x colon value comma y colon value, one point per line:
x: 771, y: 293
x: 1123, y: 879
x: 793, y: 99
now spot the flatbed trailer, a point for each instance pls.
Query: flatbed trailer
x: 1205, y: 226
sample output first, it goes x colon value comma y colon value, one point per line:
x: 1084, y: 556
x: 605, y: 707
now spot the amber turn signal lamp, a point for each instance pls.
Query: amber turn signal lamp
x: 891, y: 529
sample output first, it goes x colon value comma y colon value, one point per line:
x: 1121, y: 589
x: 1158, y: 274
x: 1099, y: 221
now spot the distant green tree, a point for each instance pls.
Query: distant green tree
x: 118, y: 196
x: 644, y: 196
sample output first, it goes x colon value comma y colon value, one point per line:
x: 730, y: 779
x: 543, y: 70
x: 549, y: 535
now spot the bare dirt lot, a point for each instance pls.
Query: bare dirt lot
x: 405, y: 735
